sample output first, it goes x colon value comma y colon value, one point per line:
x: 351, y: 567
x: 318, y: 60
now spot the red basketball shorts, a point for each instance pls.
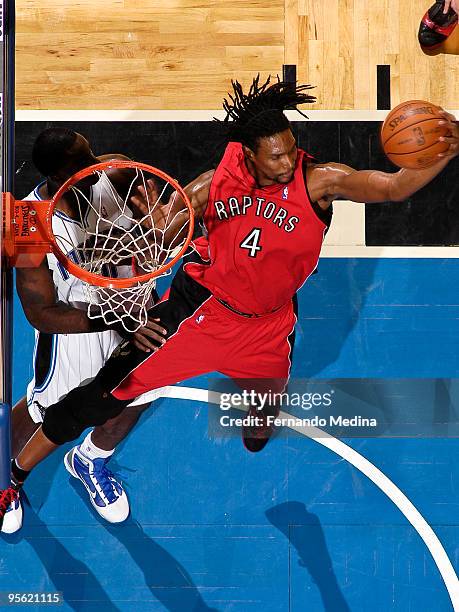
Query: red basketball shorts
x: 206, y: 336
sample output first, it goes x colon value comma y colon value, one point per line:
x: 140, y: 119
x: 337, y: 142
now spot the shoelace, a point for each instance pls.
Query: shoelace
x: 106, y: 480
x: 7, y: 496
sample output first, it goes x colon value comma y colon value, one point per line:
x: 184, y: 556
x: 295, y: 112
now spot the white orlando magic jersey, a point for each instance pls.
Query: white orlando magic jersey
x: 64, y: 361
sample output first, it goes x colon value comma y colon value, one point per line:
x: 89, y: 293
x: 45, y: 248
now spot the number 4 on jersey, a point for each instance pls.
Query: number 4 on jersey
x: 252, y: 242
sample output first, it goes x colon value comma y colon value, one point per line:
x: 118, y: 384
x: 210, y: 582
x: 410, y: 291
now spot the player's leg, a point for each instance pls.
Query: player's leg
x: 22, y: 426
x: 128, y: 370
x: 42, y: 444
x: 25, y: 420
x: 56, y: 368
x: 98, y: 446
x: 111, y: 433
x: 263, y: 366
x: 11, y: 516
x: 190, y: 351
x: 88, y: 462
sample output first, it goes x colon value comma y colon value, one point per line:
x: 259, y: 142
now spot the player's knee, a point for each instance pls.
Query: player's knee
x: 120, y: 423
x: 83, y: 407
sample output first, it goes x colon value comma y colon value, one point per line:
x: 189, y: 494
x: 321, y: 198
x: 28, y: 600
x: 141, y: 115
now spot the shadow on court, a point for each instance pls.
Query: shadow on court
x: 167, y: 579
x: 330, y: 308
x: 40, y: 483
x: 305, y: 534
x: 69, y: 575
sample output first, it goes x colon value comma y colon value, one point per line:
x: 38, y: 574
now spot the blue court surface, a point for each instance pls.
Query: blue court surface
x: 351, y: 525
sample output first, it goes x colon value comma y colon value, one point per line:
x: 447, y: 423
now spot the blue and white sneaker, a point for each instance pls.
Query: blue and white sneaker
x: 105, y: 491
x: 12, y: 521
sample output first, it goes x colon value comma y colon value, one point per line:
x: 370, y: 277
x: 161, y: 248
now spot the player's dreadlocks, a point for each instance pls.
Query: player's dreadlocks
x: 259, y: 113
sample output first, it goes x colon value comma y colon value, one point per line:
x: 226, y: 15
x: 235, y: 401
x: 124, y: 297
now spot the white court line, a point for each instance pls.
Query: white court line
x: 191, y: 115
x: 183, y: 115
x: 380, y: 252
x: 402, y: 502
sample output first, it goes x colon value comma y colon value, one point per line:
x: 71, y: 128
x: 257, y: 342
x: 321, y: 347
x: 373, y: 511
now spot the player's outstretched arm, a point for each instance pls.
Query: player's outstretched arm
x: 170, y: 219
x: 197, y: 191
x: 328, y: 182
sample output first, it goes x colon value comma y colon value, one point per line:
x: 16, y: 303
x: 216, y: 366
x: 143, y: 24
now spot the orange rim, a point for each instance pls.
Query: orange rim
x: 102, y: 281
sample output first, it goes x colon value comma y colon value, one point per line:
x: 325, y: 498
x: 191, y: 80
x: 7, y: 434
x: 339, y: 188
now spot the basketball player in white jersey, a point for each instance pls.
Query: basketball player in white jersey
x: 70, y: 348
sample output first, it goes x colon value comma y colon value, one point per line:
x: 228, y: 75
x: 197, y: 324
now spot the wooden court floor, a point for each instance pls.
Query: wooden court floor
x: 149, y: 54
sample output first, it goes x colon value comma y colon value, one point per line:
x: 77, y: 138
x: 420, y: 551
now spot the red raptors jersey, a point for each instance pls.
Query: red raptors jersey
x: 264, y: 242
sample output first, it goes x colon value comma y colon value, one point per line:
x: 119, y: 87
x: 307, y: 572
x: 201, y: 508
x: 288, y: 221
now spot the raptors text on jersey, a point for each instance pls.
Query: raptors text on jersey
x: 264, y: 242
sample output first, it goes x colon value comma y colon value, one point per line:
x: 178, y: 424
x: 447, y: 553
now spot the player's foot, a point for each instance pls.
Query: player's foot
x: 10, y: 510
x: 256, y: 435
x: 105, y: 491
x: 436, y: 26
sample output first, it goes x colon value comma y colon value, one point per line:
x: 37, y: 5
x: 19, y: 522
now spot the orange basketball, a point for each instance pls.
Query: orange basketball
x: 410, y: 134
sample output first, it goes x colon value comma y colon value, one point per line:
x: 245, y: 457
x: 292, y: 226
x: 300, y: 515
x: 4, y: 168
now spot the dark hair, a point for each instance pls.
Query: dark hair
x: 260, y: 112
x: 50, y: 147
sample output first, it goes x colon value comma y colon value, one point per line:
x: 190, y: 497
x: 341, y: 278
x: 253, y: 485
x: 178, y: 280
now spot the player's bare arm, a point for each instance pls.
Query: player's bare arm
x: 37, y: 293
x: 332, y: 181
x: 170, y: 220
x: 197, y: 191
x: 123, y: 179
x: 109, y: 156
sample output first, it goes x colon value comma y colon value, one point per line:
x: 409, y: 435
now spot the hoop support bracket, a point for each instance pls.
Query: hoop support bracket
x: 25, y: 231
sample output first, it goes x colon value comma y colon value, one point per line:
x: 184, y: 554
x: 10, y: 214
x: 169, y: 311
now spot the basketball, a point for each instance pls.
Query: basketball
x: 410, y: 134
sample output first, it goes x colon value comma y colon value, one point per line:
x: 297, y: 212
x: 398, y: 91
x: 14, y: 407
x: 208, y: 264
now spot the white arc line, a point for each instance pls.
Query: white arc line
x: 367, y: 468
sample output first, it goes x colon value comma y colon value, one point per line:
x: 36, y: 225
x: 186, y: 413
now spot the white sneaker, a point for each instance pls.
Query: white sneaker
x: 105, y: 491
x: 12, y: 521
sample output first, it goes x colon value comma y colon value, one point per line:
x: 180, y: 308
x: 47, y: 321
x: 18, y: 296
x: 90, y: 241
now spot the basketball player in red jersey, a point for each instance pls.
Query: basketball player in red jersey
x: 265, y: 210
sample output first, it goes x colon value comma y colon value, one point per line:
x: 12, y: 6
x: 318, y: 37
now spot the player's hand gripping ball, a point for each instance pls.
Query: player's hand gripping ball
x: 416, y: 132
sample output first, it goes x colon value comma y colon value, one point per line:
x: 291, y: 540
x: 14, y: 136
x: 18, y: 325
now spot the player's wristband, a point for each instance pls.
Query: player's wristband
x: 99, y: 325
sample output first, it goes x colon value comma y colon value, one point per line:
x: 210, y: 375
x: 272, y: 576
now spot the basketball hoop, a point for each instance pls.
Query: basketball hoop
x: 116, y: 247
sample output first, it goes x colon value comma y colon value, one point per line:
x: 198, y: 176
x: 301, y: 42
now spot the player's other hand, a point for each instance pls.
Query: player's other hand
x: 453, y: 136
x: 151, y: 337
x: 451, y: 4
x: 145, y: 198
x: 147, y: 204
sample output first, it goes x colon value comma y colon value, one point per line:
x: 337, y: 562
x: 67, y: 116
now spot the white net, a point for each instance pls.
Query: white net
x: 121, y: 223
